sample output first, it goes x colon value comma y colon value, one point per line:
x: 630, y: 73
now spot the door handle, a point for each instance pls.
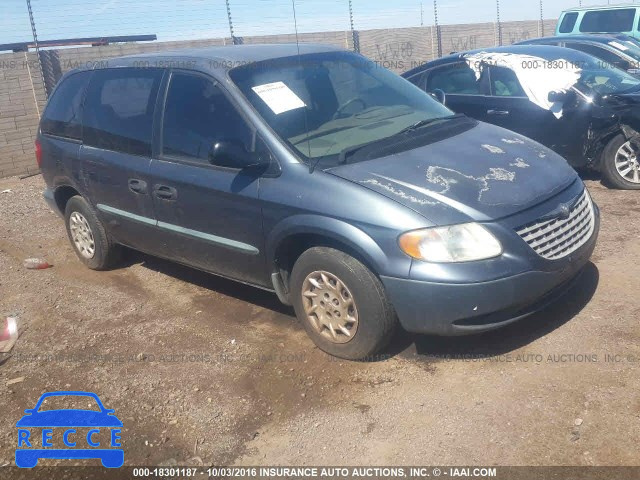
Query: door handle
x: 137, y: 186
x: 165, y: 192
x: 497, y: 112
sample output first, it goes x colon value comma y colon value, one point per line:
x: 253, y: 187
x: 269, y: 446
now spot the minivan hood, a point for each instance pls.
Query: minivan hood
x: 482, y: 174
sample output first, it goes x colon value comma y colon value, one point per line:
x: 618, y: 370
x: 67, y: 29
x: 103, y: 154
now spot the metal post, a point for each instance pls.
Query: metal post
x: 233, y: 37
x: 498, y: 25
x: 354, y: 33
x: 541, y: 21
x: 37, y: 47
x: 438, y: 34
x: 421, y: 15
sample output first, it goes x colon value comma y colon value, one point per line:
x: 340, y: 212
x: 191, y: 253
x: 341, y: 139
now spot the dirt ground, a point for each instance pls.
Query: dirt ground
x: 204, y: 371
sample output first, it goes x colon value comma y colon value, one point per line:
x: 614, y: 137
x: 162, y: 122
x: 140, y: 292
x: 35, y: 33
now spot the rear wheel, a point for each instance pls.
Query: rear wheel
x: 88, y: 236
x: 341, y: 303
x: 621, y: 164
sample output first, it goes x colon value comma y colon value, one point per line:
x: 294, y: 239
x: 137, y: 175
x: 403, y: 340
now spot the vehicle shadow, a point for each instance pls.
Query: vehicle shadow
x: 405, y: 344
x: 504, y: 340
x: 224, y: 286
x: 589, y: 174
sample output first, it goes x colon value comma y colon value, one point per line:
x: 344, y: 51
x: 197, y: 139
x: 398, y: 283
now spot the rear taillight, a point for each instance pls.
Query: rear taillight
x: 38, y: 153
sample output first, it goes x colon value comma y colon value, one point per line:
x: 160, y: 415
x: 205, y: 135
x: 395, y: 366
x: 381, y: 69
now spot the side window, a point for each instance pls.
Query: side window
x: 64, y: 111
x: 601, y: 53
x: 197, y: 116
x: 455, y: 79
x: 118, y: 111
x: 608, y: 21
x: 568, y: 22
x: 419, y: 79
x: 504, y: 83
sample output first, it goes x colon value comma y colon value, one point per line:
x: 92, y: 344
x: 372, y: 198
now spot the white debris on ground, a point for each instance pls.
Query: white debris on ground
x: 536, y: 80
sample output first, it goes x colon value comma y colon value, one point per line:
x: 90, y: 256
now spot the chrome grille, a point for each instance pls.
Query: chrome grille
x: 558, y: 237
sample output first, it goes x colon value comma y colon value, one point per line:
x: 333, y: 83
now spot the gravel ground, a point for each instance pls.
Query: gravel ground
x: 203, y: 371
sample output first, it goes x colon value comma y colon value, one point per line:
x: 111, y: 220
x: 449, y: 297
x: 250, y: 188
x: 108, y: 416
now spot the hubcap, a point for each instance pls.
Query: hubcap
x: 82, y: 235
x: 329, y: 306
x: 627, y: 163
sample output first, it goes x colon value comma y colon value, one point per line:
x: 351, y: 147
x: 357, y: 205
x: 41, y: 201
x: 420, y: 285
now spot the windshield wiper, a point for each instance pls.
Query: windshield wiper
x: 342, y: 156
x: 426, y: 122
x: 349, y: 151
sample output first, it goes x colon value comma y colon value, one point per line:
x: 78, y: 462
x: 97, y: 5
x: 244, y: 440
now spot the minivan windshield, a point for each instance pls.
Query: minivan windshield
x: 327, y: 103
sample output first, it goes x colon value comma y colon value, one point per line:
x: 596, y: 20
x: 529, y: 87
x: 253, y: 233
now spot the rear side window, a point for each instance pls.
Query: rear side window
x: 118, y: 109
x: 197, y: 116
x: 63, y: 116
x: 568, y: 22
x: 454, y: 79
x: 601, y: 53
x: 608, y: 21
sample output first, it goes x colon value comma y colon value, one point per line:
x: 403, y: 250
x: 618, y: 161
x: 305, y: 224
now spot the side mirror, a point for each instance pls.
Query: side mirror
x: 556, y: 96
x: 30, y: 410
x: 233, y: 154
x: 439, y: 96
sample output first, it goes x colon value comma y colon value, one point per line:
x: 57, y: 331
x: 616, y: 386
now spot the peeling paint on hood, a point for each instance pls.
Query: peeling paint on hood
x: 389, y: 187
x: 519, y: 163
x: 513, y: 141
x: 456, y: 180
x: 492, y: 149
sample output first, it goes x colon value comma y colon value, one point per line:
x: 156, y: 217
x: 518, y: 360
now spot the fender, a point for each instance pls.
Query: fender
x: 331, y: 228
x: 617, y: 116
x: 58, y: 184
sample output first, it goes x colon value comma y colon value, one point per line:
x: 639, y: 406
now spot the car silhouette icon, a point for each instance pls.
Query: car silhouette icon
x: 68, y: 420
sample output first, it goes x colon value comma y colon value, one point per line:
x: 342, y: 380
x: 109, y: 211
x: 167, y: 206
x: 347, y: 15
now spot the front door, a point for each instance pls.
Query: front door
x: 465, y: 91
x: 509, y: 107
x: 208, y: 216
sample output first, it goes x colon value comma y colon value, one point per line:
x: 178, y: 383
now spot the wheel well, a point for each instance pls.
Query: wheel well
x: 290, y: 249
x: 62, y: 196
x: 603, y: 143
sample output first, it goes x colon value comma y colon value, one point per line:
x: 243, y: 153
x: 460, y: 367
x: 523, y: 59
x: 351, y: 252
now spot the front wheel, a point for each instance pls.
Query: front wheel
x: 621, y: 165
x: 341, y: 303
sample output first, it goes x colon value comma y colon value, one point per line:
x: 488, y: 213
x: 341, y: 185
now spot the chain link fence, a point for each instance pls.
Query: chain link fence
x: 42, y: 39
x: 408, y: 30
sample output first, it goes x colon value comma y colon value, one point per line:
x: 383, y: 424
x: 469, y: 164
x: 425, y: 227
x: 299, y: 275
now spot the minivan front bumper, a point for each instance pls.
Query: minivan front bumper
x: 465, y: 308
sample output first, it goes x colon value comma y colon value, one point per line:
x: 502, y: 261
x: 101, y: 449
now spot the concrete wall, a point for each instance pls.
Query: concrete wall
x: 23, y: 97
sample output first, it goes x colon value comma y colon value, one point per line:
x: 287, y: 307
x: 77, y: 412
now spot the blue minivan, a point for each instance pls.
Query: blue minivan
x: 603, y: 19
x: 314, y: 173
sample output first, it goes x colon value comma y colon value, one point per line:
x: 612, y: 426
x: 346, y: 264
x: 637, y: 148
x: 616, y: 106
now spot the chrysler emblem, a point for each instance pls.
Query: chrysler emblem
x: 564, y: 211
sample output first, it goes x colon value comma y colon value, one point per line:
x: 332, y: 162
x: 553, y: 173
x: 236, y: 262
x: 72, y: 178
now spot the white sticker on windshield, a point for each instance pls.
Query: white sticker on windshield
x: 619, y: 46
x: 278, y: 97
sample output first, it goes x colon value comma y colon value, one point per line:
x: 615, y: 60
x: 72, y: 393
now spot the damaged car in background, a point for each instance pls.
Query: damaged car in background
x: 313, y: 173
x: 621, y: 51
x: 579, y: 106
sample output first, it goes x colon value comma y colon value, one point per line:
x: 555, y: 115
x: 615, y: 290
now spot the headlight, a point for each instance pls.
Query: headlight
x: 455, y: 243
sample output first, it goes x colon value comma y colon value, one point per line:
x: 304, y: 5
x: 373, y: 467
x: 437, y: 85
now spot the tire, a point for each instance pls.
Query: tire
x: 81, y: 220
x: 324, y: 271
x: 612, y: 177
